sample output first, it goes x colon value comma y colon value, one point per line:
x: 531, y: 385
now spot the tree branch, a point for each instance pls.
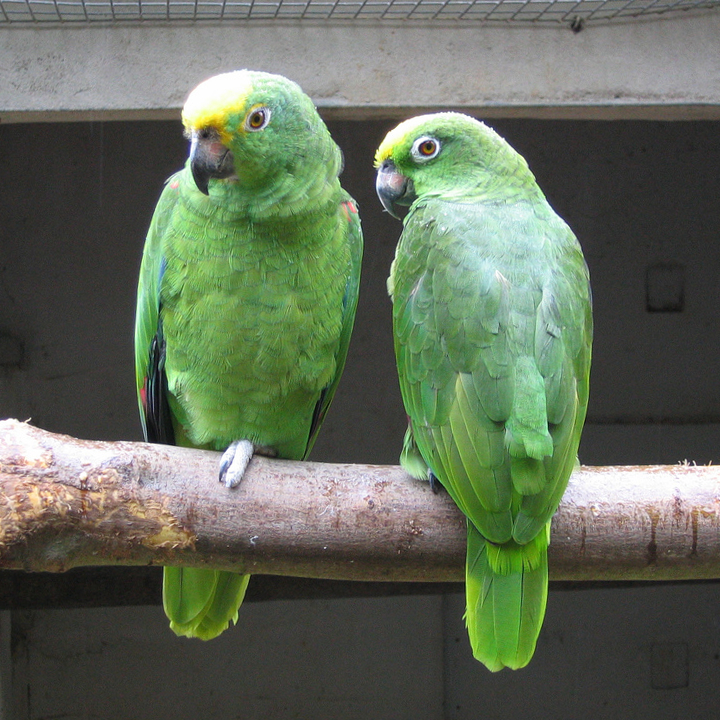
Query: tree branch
x: 66, y: 503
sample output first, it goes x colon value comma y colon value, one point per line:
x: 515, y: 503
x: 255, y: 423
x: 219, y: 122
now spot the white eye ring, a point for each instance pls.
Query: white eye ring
x: 258, y: 118
x: 425, y: 148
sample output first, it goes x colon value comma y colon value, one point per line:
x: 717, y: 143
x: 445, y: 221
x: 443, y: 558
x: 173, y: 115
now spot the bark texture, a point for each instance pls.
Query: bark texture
x: 67, y: 503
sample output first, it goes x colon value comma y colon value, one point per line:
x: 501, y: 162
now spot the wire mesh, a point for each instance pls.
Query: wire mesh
x: 563, y: 11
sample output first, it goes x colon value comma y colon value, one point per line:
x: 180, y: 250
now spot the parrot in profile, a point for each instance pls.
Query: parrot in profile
x: 246, y: 299
x: 492, y: 321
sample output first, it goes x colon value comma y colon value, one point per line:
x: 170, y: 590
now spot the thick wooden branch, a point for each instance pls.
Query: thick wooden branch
x: 66, y: 503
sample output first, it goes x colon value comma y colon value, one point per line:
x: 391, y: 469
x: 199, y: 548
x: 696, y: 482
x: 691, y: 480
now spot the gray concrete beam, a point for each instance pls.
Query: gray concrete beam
x: 664, y: 68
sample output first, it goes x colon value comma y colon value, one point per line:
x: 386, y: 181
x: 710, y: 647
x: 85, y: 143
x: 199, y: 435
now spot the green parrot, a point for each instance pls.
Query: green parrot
x: 492, y: 322
x: 246, y: 299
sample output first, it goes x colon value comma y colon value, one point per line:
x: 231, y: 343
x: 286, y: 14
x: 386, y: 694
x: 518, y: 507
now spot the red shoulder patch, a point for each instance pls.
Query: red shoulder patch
x: 143, y: 393
x: 349, y: 208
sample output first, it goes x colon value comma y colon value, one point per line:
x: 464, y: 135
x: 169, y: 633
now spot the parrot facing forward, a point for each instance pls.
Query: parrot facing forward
x: 492, y: 324
x: 246, y: 299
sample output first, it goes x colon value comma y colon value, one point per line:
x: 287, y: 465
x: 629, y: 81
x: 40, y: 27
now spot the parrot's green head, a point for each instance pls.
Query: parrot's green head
x: 445, y: 154
x: 256, y: 133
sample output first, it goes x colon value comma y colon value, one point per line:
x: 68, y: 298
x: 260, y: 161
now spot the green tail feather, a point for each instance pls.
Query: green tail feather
x: 506, y: 592
x: 200, y: 602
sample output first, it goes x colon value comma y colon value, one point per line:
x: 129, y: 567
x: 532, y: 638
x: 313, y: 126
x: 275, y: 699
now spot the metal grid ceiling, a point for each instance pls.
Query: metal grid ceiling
x: 563, y: 11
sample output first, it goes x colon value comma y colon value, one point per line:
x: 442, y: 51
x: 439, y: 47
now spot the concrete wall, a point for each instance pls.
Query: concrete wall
x: 642, y: 197
x: 664, y: 66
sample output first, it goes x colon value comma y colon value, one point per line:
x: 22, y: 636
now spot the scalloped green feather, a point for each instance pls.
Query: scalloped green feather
x: 255, y: 287
x: 493, y: 330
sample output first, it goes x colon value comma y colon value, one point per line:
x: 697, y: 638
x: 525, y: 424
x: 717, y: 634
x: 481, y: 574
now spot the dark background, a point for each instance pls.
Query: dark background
x: 642, y: 197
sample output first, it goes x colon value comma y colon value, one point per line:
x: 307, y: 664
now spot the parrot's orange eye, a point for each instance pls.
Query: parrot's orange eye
x: 425, y: 148
x: 257, y: 119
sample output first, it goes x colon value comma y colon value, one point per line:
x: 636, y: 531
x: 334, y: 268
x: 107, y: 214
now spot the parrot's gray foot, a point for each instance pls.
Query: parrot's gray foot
x: 234, y: 462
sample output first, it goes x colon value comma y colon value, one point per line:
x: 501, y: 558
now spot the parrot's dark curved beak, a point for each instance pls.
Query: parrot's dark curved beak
x: 209, y: 159
x: 393, y: 188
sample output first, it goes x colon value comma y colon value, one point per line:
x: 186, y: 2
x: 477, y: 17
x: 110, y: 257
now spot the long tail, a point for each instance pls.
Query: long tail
x: 200, y: 602
x: 506, y: 588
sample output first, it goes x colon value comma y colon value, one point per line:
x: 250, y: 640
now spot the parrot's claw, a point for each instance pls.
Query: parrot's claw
x: 435, y: 484
x: 234, y: 462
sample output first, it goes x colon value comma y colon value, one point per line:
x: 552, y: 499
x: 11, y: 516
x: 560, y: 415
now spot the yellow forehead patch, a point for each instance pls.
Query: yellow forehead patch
x: 418, y: 126
x: 397, y: 135
x: 210, y: 103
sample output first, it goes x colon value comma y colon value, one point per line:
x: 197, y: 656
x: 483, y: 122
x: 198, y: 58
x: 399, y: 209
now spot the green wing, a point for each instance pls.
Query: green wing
x: 493, y: 354
x: 149, y: 374
x: 493, y: 330
x: 350, y: 226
